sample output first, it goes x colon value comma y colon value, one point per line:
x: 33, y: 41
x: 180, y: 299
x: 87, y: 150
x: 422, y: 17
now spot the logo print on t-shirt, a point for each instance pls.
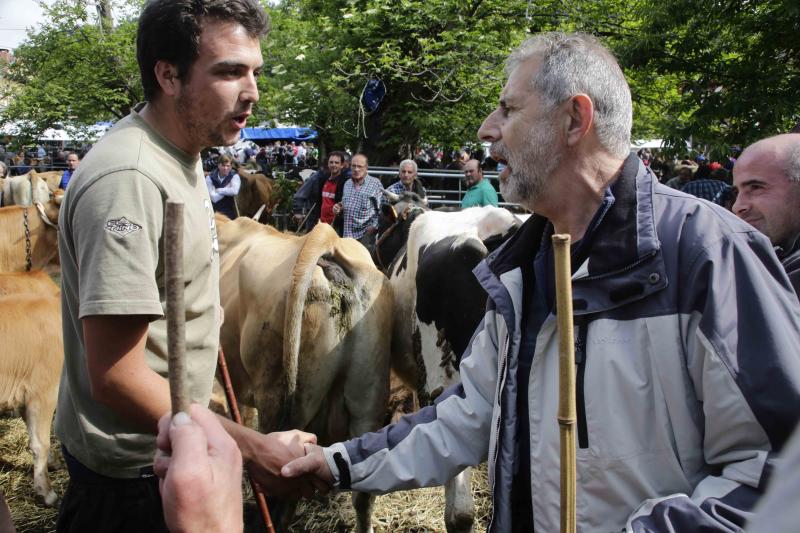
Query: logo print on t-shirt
x: 212, y: 225
x: 122, y: 226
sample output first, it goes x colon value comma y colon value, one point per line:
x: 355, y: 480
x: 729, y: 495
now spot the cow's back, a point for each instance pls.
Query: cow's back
x: 25, y: 190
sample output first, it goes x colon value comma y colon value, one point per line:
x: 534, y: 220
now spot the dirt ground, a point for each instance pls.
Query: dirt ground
x: 414, y: 511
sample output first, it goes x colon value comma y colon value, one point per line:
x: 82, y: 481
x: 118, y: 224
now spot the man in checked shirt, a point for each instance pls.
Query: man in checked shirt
x: 361, y: 203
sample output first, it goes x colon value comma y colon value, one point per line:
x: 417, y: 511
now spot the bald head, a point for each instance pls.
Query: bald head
x: 767, y: 175
x: 781, y: 153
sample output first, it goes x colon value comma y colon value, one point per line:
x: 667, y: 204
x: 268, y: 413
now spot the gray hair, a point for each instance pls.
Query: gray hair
x: 793, y: 163
x: 409, y: 162
x: 578, y: 63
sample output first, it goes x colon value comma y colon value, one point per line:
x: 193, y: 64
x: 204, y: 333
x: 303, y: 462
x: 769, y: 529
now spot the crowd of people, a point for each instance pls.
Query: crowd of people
x: 280, y: 155
x: 345, y: 196
x: 39, y: 158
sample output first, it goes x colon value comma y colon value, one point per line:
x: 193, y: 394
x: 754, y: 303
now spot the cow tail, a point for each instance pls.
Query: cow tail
x: 319, y: 242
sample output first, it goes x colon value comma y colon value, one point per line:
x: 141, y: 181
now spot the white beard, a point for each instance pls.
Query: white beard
x: 530, y: 170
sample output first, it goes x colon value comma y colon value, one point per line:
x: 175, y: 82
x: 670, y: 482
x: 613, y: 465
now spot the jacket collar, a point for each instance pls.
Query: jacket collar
x: 624, y: 259
x: 794, y: 247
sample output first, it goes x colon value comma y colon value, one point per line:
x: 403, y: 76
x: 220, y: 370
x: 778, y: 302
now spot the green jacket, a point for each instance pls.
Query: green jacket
x: 479, y: 195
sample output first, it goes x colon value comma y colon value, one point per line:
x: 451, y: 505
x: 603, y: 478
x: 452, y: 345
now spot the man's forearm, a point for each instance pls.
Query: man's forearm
x: 242, y: 435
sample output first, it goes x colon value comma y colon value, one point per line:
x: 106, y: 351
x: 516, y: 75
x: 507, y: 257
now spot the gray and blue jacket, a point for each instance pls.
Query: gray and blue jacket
x: 688, y: 374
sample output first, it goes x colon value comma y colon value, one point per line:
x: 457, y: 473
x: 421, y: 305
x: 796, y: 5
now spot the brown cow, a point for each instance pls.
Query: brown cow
x: 36, y: 281
x: 42, y: 239
x: 51, y: 177
x: 27, y: 189
x: 33, y: 354
x: 307, y: 331
x: 256, y: 190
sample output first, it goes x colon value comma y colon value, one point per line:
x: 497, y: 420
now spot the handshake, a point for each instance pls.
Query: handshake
x: 199, y: 466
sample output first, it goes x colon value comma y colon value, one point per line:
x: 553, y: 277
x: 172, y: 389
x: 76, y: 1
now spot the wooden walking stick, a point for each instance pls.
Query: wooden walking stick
x: 176, y: 315
x: 566, y: 380
x: 303, y: 223
x: 176, y: 333
x: 237, y: 417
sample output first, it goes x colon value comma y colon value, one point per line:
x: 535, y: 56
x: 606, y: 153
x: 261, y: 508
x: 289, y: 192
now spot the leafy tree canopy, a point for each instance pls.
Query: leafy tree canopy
x: 440, y: 63
x: 72, y: 71
x: 718, y: 72
x: 732, y: 67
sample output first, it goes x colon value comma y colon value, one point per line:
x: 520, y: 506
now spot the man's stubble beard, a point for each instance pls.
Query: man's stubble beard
x: 199, y: 128
x: 530, y: 172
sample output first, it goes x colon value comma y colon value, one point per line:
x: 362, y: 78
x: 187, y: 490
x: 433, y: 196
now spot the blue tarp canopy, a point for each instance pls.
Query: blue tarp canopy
x: 279, y: 134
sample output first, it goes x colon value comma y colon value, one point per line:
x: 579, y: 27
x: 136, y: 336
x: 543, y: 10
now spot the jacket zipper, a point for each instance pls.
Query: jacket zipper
x: 499, y: 418
x: 580, y: 401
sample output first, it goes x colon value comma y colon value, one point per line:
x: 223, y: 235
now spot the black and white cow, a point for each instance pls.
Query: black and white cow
x: 438, y: 305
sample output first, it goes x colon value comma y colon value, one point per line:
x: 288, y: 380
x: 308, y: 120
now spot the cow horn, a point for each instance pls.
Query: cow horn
x: 257, y: 216
x: 392, y: 197
x: 43, y: 215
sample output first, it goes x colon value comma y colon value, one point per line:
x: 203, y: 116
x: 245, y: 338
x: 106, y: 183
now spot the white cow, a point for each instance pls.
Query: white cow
x: 438, y: 305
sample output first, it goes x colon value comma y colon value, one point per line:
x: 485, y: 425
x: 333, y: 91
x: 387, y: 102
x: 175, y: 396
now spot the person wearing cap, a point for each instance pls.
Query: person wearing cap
x: 684, y: 173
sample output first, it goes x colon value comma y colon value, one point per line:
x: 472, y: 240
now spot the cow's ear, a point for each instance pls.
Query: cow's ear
x: 389, y: 213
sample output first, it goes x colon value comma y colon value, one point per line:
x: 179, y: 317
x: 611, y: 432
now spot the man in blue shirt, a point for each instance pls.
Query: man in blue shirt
x: 72, y: 164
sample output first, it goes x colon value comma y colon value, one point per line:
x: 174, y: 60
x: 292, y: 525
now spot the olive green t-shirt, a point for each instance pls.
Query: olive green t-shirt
x: 111, y: 245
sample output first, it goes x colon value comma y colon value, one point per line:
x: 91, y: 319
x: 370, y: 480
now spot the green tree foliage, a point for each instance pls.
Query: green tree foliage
x: 439, y: 61
x: 71, y: 70
x: 719, y: 72
x: 734, y: 64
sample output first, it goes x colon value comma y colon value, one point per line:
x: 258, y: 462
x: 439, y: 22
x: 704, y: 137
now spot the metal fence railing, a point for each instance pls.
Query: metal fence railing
x: 450, y: 183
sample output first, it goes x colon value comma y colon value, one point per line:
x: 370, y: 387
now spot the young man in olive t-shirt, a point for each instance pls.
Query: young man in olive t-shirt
x: 199, y: 62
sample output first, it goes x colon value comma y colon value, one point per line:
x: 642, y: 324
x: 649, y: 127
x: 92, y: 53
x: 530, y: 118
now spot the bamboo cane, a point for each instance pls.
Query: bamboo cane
x: 566, y: 370
x: 237, y: 417
x: 176, y: 316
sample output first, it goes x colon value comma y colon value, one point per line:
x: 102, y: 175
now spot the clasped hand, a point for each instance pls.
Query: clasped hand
x: 312, y: 466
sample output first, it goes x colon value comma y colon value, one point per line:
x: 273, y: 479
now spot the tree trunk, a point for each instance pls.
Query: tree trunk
x: 104, y: 15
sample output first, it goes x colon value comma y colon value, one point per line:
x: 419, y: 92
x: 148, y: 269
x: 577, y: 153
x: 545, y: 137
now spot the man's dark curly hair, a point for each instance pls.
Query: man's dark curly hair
x: 169, y: 30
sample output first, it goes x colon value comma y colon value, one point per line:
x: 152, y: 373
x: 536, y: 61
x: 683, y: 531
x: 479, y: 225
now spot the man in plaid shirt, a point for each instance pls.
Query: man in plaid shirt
x: 361, y: 202
x: 708, y: 186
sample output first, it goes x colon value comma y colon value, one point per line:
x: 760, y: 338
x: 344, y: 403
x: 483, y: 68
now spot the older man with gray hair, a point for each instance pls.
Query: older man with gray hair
x: 767, y: 175
x: 408, y: 181
x: 685, y: 332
